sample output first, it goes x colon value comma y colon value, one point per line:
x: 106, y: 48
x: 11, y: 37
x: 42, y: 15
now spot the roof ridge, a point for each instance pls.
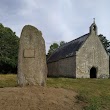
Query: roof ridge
x: 68, y: 49
x: 79, y: 37
x: 72, y: 41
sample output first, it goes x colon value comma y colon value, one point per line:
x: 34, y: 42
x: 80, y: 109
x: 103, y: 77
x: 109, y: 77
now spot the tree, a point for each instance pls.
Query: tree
x: 9, y: 43
x: 62, y: 43
x: 54, y: 46
x: 105, y: 42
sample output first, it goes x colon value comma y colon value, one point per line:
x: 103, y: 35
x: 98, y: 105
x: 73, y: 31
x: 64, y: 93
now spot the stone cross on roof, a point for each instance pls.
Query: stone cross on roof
x: 93, y: 20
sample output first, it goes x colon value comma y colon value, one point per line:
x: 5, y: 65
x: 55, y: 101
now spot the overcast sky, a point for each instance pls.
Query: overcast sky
x: 59, y: 20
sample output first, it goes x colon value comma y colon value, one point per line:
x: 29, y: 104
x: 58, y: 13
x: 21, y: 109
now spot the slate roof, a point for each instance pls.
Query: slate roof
x: 67, y: 50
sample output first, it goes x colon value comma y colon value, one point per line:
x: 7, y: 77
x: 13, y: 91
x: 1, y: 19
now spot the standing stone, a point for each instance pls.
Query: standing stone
x: 32, y: 68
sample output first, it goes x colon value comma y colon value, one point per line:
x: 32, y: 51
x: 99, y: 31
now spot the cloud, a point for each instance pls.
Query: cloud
x: 57, y: 19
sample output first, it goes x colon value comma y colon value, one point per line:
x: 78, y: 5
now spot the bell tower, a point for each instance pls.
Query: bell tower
x: 93, y: 28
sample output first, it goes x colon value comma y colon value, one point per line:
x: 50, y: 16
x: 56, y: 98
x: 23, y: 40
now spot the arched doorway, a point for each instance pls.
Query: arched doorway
x: 93, y: 72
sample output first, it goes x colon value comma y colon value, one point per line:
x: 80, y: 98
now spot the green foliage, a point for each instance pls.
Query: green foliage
x: 62, y: 43
x: 105, y: 42
x: 8, y: 50
x: 54, y: 46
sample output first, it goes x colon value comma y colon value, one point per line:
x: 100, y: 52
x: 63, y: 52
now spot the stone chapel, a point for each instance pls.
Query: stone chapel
x: 84, y: 57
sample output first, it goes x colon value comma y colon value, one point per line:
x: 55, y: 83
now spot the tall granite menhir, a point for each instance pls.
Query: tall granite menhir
x: 32, y: 68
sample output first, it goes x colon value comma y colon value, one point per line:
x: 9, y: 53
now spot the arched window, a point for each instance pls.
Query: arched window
x: 94, y: 27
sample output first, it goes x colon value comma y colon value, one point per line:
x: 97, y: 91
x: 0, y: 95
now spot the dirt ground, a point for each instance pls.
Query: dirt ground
x: 38, y: 98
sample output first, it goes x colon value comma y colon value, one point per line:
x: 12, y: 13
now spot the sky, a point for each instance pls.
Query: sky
x: 59, y: 20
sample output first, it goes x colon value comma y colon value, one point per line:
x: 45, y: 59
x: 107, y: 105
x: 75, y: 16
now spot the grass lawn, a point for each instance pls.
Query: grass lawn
x: 94, y: 92
x: 8, y: 80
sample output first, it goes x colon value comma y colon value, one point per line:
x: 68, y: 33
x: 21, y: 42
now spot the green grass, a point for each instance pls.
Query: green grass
x: 8, y: 80
x: 94, y: 92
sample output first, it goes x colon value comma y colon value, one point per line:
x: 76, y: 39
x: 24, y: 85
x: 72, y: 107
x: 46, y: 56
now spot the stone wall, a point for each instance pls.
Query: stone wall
x: 62, y: 68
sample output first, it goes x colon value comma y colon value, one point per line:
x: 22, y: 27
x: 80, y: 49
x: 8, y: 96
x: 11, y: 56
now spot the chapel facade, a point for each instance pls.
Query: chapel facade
x: 84, y: 57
